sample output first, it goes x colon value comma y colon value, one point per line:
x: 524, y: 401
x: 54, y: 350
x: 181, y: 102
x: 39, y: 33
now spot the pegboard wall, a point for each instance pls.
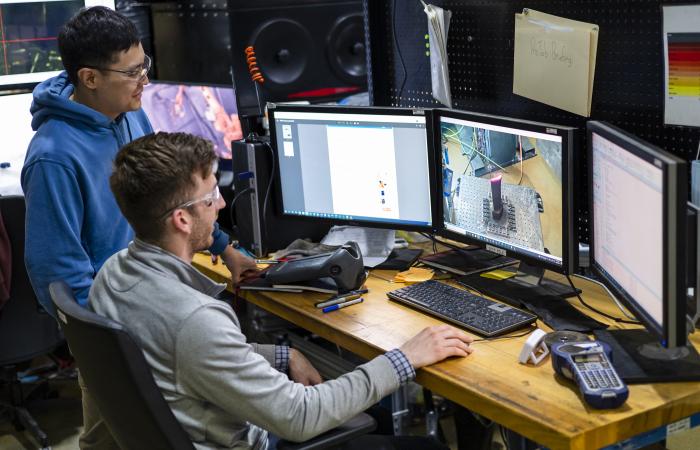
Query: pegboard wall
x: 628, y: 86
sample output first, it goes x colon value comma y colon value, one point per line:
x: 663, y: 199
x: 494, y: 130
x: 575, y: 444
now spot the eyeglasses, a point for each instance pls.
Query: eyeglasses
x: 210, y: 199
x: 136, y: 74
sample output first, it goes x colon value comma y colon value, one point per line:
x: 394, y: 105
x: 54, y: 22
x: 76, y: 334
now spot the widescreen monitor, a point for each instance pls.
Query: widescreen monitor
x: 507, y: 184
x: 638, y: 196
x: 29, y: 33
x: 207, y: 111
x: 363, y: 166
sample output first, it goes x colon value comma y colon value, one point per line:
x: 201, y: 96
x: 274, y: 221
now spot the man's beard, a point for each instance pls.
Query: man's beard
x: 201, y: 238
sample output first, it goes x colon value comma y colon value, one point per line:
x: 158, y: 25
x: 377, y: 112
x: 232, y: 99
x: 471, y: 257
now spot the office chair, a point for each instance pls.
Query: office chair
x: 26, y: 331
x: 120, y: 380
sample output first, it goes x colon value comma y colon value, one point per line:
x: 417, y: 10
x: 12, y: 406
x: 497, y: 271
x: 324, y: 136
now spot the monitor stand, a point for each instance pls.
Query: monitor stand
x: 532, y: 277
x: 638, y: 357
x: 530, y: 290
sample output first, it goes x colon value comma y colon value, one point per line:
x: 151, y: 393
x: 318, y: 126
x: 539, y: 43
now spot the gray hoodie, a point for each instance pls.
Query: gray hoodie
x: 224, y: 391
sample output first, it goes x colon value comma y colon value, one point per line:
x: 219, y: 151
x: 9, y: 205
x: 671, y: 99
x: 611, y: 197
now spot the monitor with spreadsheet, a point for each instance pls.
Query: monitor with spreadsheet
x: 638, y: 196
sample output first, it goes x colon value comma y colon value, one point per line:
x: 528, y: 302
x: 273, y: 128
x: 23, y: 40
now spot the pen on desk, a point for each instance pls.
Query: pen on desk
x: 352, y: 295
x: 328, y: 309
x: 267, y: 261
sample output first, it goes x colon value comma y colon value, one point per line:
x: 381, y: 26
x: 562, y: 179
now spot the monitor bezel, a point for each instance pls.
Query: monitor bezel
x: 375, y: 110
x: 672, y: 332
x: 31, y: 79
x: 569, y: 234
x: 224, y: 163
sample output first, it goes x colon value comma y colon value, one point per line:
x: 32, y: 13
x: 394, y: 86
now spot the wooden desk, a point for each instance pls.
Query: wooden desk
x: 526, y: 399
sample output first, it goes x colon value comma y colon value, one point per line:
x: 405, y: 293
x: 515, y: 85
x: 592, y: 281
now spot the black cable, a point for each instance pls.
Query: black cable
x: 453, y: 246
x: 233, y: 202
x: 471, y: 288
x: 273, y: 170
x: 398, y: 51
x: 446, y: 244
x: 507, y: 336
x: 616, y: 319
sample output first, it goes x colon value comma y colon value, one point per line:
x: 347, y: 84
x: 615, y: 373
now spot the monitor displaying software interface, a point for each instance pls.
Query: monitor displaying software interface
x: 29, y: 37
x: 355, y: 167
x: 503, y: 186
x: 628, y: 223
x: 203, y: 110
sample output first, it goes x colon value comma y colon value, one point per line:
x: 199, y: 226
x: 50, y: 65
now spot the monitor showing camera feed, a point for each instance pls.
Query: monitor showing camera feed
x: 504, y: 183
x: 29, y: 36
x: 205, y: 111
x: 364, y: 165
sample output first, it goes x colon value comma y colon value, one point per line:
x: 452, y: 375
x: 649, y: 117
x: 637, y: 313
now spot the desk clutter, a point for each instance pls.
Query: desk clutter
x: 341, y: 270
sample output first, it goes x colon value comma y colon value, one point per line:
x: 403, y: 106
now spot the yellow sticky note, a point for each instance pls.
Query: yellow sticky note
x: 414, y: 275
x: 498, y: 274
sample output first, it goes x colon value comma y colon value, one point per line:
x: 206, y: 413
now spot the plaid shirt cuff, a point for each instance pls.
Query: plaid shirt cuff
x: 404, y: 369
x: 282, y: 358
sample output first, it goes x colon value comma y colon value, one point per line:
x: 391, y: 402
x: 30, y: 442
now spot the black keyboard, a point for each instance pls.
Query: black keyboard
x: 478, y: 314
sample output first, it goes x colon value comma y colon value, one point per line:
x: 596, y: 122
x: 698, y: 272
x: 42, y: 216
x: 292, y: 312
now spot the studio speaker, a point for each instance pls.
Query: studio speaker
x: 304, y: 49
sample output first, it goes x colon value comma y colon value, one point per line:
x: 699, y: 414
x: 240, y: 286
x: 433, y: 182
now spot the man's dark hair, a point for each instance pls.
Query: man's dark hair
x: 156, y: 173
x: 94, y: 37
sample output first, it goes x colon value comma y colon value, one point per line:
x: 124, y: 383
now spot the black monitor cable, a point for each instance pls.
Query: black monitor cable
x: 273, y: 171
x: 596, y: 310
x: 527, y: 331
x: 398, y: 52
x: 238, y: 195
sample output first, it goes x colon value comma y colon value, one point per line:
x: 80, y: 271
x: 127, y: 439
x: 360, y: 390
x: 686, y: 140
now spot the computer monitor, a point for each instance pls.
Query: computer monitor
x: 16, y: 130
x: 28, y: 34
x: 637, y: 197
x: 507, y: 185
x: 352, y: 165
x: 208, y: 111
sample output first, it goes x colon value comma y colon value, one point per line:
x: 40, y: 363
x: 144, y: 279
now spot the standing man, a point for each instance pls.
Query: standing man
x: 225, y: 392
x: 82, y: 117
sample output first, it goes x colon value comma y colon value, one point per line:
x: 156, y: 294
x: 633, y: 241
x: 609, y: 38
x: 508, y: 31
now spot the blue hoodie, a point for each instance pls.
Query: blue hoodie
x: 73, y: 223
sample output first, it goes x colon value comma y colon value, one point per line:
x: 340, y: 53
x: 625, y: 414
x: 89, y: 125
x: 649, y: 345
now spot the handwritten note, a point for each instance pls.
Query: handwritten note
x: 554, y: 60
x: 552, y: 50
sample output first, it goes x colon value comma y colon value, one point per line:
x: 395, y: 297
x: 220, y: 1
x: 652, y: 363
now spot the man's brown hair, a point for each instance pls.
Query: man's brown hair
x: 154, y: 174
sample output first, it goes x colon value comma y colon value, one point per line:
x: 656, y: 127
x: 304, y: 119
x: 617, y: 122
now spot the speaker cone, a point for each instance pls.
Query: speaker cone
x: 281, y: 47
x: 346, y: 49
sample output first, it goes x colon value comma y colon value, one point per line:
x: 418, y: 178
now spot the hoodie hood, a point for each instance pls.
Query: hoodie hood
x: 52, y: 99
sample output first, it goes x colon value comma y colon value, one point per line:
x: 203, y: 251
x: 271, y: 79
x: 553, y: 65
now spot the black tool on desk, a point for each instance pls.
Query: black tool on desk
x: 343, y: 265
x: 481, y: 315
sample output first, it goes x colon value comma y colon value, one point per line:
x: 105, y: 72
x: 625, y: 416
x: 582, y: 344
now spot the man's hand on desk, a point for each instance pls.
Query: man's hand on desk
x: 436, y: 343
x: 301, y: 370
x: 237, y: 263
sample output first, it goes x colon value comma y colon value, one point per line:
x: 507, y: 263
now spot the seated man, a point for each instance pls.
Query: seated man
x: 225, y: 392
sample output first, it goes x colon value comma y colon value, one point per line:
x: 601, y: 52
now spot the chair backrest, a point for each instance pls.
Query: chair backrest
x: 118, y: 377
x: 26, y: 331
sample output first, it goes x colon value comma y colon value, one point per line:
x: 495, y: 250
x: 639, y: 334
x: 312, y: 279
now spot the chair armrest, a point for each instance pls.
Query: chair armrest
x: 357, y: 426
